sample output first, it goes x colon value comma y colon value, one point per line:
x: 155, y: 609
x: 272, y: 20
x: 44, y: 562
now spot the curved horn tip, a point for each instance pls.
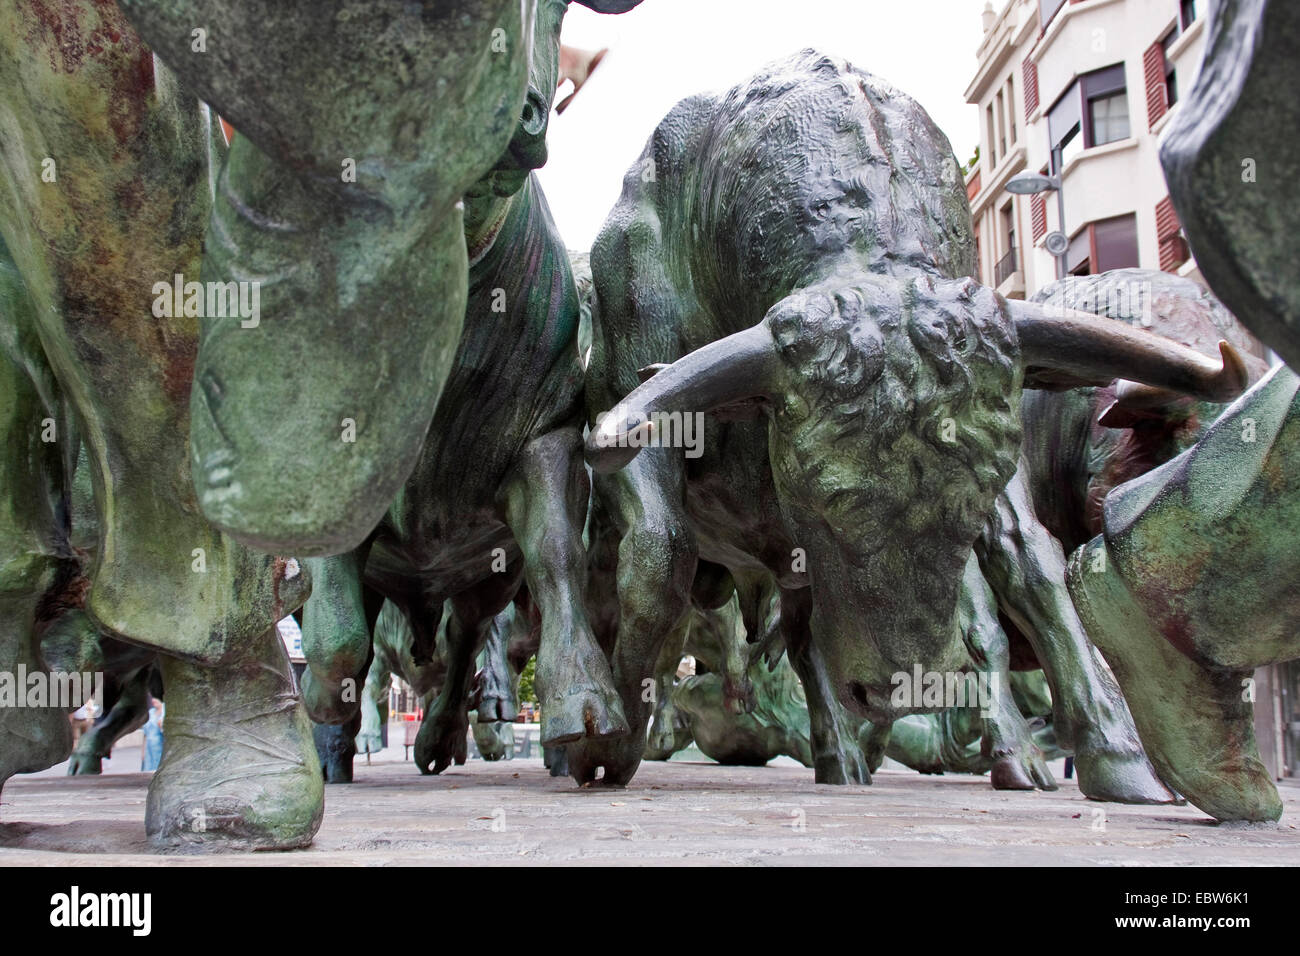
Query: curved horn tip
x: 1234, y: 376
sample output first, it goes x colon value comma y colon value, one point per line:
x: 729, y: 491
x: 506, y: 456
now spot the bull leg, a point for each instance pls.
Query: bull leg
x: 546, y: 506
x: 164, y: 578
x: 837, y: 758
x: 239, y: 768
x: 494, y: 691
x: 337, y: 627
x: 656, y: 567
x: 873, y: 739
x: 669, y: 729
x: 1192, y: 587
x: 1026, y: 569
x: 336, y: 748
x: 1017, y: 763
x: 129, y: 712
x: 442, y: 736
x: 31, y: 739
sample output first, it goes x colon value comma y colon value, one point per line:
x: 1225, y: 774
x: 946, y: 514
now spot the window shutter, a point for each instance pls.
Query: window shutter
x: 1038, y: 215
x: 1153, y: 65
x: 1173, y: 248
x: 1030, y: 71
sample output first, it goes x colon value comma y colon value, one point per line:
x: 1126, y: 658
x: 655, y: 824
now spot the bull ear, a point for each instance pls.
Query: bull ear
x: 1136, y: 403
x: 1064, y: 348
x: 739, y: 369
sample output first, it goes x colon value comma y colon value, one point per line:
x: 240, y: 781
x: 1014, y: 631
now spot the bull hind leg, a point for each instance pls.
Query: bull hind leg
x: 128, y: 713
x: 546, y: 506
x: 443, y: 735
x: 670, y: 730
x: 1016, y: 761
x: 1026, y: 568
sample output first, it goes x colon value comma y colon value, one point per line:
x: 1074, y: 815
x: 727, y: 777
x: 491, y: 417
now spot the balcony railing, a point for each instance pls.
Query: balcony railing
x: 1005, y: 269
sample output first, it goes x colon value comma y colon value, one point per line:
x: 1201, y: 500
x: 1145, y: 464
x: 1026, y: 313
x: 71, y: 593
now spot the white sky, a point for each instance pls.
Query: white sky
x: 666, y: 50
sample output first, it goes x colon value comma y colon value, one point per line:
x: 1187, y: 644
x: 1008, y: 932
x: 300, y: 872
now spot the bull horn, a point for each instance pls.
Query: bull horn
x: 1066, y: 348
x: 740, y: 367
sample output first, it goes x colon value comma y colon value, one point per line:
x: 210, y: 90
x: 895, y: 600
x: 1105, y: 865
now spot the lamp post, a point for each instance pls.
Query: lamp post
x: 1031, y: 184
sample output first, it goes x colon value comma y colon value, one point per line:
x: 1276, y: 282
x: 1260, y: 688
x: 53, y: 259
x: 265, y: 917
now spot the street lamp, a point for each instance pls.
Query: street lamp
x: 1031, y: 184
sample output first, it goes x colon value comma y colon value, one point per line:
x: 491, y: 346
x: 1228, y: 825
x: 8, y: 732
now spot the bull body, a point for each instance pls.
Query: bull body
x: 798, y: 251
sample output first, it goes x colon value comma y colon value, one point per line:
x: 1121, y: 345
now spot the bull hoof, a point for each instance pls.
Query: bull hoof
x: 1021, y: 767
x: 1194, y: 723
x: 494, y: 710
x: 582, y: 712
x: 236, y: 781
x: 556, y: 760
x: 85, y: 765
x: 442, y: 739
x: 1120, y: 778
x: 1010, y: 773
x: 841, y: 770
x: 619, y: 757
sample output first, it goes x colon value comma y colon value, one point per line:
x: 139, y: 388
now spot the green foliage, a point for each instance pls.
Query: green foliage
x: 527, y: 689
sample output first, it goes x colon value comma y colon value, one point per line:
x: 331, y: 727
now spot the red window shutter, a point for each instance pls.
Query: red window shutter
x: 1153, y: 65
x: 1173, y: 248
x: 1030, y: 71
x: 1038, y: 216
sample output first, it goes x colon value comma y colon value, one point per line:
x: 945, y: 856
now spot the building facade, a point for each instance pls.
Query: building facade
x: 1080, y: 90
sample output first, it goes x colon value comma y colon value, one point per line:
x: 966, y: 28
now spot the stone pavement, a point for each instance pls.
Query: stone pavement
x: 682, y: 812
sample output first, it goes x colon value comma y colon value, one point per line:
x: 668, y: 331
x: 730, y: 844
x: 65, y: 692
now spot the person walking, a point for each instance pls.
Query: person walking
x: 151, y: 755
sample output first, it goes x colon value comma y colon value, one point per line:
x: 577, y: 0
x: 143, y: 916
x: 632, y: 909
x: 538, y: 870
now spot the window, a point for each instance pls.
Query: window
x: 1064, y: 129
x: 1188, y: 13
x: 1171, y: 77
x: 1116, y: 243
x: 1106, y: 97
x: 1048, y: 9
x: 1011, y: 107
x: 993, y: 142
x: 1104, y: 245
x: 1001, y: 117
x: 1093, y: 111
x: 1108, y: 117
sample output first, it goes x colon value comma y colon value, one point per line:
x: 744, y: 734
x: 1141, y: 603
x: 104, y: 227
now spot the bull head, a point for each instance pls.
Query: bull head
x: 894, y: 424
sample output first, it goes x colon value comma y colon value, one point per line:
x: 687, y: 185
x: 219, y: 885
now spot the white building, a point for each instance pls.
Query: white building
x: 1081, y: 89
